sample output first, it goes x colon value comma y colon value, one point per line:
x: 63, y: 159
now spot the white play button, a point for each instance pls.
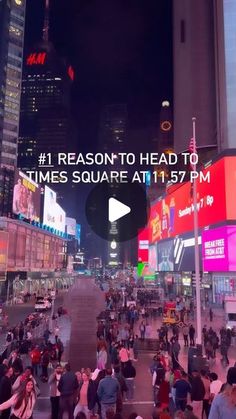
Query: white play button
x: 117, y: 210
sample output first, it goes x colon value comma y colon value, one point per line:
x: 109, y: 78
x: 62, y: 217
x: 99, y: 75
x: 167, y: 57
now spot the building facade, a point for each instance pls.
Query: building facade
x: 12, y: 17
x: 194, y: 72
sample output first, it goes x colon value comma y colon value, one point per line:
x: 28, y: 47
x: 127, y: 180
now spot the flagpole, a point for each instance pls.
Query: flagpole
x: 196, y: 248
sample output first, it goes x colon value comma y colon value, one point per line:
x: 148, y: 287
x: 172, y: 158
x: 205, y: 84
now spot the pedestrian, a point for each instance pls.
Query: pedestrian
x: 191, y: 335
x: 142, y: 329
x: 102, y: 358
x: 60, y: 350
x: 175, y: 350
x: 22, y: 378
x: 136, y: 347
x: 123, y: 355
x: 53, y: 382
x: 45, y: 359
x: 215, y: 386
x: 197, y: 394
x: 35, y: 356
x: 185, y: 331
x: 224, y: 404
x: 123, y: 388
x: 157, y: 377
x: 22, y: 403
x: 86, y: 395
x: 182, y: 389
x: 67, y: 386
x: 129, y: 373
x: 6, y: 390
x: 224, y: 352
x: 211, y: 314
x: 56, y: 332
x: 107, y: 392
x: 46, y: 336
x: 206, y: 400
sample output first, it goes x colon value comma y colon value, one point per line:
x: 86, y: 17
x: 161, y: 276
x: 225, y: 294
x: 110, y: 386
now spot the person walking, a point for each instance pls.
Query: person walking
x: 197, y: 394
x: 67, y: 386
x: 35, y: 356
x: 142, y: 329
x: 45, y: 359
x: 211, y: 314
x: 182, y: 389
x: 129, y: 373
x: 107, y: 392
x: 60, y: 350
x: 6, y: 390
x: 224, y: 404
x: 206, y: 400
x: 102, y: 358
x: 22, y: 403
x: 185, y: 334
x: 53, y: 382
x: 86, y: 396
x: 192, y: 335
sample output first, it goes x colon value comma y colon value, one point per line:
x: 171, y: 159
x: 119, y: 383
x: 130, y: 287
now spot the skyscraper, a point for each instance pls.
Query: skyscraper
x: 113, y: 127
x: 45, y: 124
x: 12, y: 18
x: 194, y: 72
x: 225, y: 52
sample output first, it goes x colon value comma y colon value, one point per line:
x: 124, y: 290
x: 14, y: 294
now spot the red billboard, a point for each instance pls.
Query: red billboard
x: 173, y: 215
x: 143, y: 245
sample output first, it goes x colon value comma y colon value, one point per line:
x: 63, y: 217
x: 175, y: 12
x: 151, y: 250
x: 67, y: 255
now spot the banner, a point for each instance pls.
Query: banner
x: 26, y: 197
x: 53, y: 215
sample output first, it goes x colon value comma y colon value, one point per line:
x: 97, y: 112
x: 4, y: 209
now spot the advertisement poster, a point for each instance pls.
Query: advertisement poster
x: 53, y: 215
x: 219, y: 249
x: 184, y: 258
x: 78, y: 233
x: 71, y: 226
x: 143, y: 245
x: 173, y: 215
x: 152, y: 260
x: 26, y: 197
x: 165, y: 256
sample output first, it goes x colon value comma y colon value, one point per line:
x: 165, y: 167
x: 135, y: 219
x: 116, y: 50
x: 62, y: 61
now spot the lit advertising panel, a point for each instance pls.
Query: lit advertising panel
x: 165, y: 256
x: 143, y: 244
x: 26, y: 197
x: 78, y: 233
x: 173, y: 215
x: 152, y: 258
x: 71, y: 226
x: 219, y: 249
x: 3, y: 250
x: 53, y: 215
x: 184, y: 257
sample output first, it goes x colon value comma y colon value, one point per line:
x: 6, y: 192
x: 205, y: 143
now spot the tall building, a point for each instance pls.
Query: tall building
x: 194, y: 72
x: 12, y: 18
x: 45, y: 123
x: 225, y: 52
x: 113, y: 127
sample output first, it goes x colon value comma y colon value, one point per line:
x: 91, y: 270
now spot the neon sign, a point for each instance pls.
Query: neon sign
x: 36, y: 58
x: 71, y: 72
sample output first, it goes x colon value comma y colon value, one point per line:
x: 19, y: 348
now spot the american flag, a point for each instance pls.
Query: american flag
x: 192, y: 149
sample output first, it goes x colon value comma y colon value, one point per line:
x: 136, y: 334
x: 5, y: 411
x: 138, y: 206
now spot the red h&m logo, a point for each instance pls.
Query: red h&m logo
x: 36, y: 58
x: 71, y: 72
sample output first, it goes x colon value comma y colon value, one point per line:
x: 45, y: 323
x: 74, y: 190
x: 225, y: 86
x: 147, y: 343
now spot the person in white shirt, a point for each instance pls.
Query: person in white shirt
x: 215, y: 385
x: 22, y: 403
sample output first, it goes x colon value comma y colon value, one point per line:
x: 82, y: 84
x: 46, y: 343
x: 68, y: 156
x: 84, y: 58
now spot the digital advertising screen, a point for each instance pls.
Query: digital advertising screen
x: 173, y: 215
x: 219, y: 249
x: 152, y: 258
x: 53, y: 215
x: 184, y: 253
x: 71, y: 226
x: 165, y: 256
x: 26, y: 197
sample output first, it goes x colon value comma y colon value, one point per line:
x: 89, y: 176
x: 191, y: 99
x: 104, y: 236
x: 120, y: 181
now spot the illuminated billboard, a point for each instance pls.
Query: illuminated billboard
x: 53, y: 215
x: 3, y: 250
x: 26, y: 197
x: 219, y: 249
x: 152, y: 258
x: 143, y: 244
x: 71, y: 226
x: 173, y: 215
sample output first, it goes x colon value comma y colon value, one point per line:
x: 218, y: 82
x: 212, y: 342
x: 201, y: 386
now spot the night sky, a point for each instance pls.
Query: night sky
x: 121, y: 51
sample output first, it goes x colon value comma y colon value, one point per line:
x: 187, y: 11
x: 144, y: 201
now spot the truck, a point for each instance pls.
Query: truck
x: 230, y: 311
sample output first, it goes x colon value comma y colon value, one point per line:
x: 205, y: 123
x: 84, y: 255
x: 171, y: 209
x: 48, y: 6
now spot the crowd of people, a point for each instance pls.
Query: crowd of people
x: 102, y: 393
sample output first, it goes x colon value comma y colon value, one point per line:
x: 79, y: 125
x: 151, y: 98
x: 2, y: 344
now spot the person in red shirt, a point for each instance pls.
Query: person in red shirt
x: 35, y: 355
x: 164, y: 394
